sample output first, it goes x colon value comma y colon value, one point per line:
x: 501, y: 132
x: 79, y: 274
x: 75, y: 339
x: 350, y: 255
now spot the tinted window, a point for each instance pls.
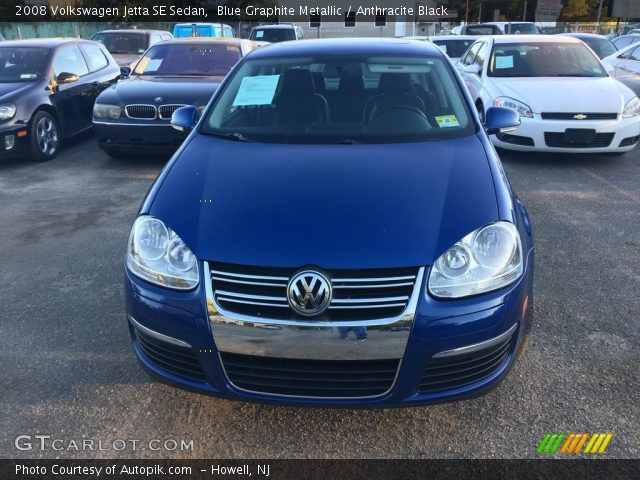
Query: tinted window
x: 481, y: 55
x: 622, y: 42
x: 635, y: 55
x: 521, y: 28
x: 22, y: 64
x: 273, y: 35
x: 482, y: 30
x: 187, y: 59
x: 69, y: 60
x: 122, y: 43
x: 363, y: 100
x: 602, y: 46
x: 468, y: 58
x: 97, y: 60
x: 453, y: 48
x: 544, y: 60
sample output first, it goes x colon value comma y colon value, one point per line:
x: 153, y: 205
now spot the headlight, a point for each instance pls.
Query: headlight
x: 485, y: 260
x: 102, y: 110
x: 7, y: 111
x: 522, y: 109
x: 632, y: 108
x: 156, y: 254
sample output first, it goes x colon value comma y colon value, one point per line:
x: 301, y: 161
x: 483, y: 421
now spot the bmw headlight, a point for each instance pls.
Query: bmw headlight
x: 103, y: 110
x: 520, y: 108
x: 7, y: 111
x: 158, y: 255
x: 632, y: 108
x: 486, y: 259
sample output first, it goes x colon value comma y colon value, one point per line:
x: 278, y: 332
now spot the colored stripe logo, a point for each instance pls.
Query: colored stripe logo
x: 574, y: 443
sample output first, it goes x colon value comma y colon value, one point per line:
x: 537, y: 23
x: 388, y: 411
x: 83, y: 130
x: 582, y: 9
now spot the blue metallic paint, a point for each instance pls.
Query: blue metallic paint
x: 399, y: 205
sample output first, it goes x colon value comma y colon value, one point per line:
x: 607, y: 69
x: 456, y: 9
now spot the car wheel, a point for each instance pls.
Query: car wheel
x: 45, y: 137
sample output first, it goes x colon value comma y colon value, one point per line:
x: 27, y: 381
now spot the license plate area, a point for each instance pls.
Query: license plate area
x: 581, y: 136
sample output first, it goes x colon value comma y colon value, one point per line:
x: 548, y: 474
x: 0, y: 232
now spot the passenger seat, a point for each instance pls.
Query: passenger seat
x: 297, y: 105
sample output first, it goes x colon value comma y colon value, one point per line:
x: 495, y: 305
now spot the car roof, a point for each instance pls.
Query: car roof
x: 453, y: 37
x: 582, y: 35
x: 203, y: 40
x: 348, y: 46
x: 132, y: 30
x: 274, y: 26
x: 199, y: 24
x: 534, y: 39
x: 43, y: 42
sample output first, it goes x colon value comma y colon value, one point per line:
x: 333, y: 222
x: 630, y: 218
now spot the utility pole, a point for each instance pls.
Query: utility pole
x: 599, y: 16
x: 466, y: 15
x: 524, y: 12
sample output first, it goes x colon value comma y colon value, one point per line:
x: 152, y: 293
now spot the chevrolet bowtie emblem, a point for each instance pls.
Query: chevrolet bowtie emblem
x: 580, y: 116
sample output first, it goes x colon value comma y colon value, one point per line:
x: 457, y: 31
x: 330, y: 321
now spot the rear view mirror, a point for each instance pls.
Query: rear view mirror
x: 66, y: 77
x: 473, y: 68
x: 501, y: 120
x: 184, y: 118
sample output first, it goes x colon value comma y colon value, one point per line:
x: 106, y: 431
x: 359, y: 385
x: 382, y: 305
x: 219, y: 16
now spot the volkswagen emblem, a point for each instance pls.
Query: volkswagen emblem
x: 309, y: 293
x: 158, y: 99
x: 580, y: 116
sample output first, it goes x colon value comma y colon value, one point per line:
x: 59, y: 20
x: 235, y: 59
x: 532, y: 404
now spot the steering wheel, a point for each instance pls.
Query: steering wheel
x: 399, y: 108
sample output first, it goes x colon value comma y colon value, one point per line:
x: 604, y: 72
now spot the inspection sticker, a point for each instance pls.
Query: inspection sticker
x: 256, y: 90
x: 446, y: 121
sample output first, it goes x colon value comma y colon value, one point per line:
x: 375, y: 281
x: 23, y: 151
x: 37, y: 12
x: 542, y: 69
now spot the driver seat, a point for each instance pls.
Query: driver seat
x: 395, y: 91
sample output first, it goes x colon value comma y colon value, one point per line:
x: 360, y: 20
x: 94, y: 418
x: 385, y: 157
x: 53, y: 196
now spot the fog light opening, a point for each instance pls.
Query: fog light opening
x: 9, y: 142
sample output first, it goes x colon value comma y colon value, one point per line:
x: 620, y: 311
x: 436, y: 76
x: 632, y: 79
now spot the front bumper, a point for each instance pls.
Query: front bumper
x: 14, y: 142
x: 138, y: 137
x: 473, y: 339
x: 536, y: 134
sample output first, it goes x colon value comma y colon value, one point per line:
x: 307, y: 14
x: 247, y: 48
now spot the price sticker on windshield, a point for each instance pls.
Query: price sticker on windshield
x: 256, y: 90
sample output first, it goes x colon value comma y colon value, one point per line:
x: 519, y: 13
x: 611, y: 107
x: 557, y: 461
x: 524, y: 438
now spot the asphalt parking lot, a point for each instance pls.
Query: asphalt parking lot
x: 68, y: 369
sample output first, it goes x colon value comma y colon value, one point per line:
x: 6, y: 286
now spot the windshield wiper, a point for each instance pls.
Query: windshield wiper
x: 238, y: 137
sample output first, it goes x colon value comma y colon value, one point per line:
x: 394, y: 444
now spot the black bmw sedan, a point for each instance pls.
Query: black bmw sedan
x: 133, y: 117
x: 47, y: 91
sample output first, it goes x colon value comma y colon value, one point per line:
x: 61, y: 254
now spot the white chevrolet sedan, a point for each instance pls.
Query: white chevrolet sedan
x: 566, y: 99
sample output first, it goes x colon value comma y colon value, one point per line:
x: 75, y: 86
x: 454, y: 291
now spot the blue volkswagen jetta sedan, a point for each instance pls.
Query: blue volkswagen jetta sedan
x: 336, y: 230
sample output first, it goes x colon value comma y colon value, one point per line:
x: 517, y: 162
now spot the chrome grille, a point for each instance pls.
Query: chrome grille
x: 357, y: 294
x: 165, y: 111
x: 142, y: 112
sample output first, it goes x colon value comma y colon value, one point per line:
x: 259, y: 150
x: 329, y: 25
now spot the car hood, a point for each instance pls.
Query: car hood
x: 12, y: 90
x: 566, y: 94
x: 334, y: 206
x: 182, y: 90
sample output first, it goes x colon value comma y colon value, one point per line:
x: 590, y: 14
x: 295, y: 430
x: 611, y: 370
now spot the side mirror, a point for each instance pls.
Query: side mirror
x: 66, y: 77
x: 184, y: 118
x: 501, y: 120
x: 473, y: 68
x: 125, y: 72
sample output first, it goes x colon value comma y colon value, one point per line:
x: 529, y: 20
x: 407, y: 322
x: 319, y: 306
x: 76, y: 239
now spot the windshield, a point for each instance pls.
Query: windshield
x: 189, y: 59
x: 522, y: 28
x: 122, y: 43
x: 341, y: 100
x: 453, y: 48
x: 22, y: 64
x: 273, y: 35
x: 602, y: 46
x: 482, y: 30
x: 544, y: 60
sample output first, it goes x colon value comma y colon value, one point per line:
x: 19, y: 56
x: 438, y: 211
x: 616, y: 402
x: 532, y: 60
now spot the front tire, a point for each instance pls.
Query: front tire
x: 46, y: 138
